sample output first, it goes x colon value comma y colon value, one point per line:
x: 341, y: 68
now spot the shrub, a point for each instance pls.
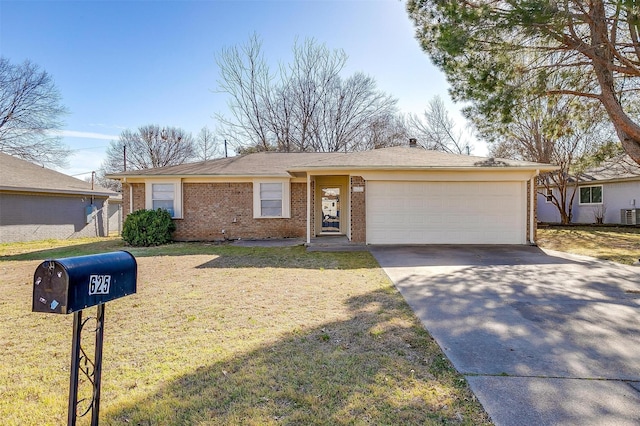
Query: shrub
x: 144, y: 228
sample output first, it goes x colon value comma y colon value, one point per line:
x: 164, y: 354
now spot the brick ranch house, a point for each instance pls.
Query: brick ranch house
x: 398, y: 195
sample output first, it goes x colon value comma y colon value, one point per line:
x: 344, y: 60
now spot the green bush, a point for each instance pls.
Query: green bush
x: 144, y: 228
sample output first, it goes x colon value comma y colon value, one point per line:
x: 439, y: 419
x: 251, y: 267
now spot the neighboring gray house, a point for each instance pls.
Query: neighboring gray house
x: 37, y: 203
x: 610, y: 191
x: 115, y: 215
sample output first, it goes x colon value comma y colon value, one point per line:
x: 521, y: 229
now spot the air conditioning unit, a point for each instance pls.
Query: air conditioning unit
x: 630, y: 216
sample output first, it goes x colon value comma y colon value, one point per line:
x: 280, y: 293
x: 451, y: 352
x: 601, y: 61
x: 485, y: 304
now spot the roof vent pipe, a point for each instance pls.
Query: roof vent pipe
x: 413, y: 142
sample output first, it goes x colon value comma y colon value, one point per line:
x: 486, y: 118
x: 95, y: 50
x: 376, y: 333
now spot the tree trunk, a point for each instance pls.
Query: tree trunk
x: 630, y: 144
x: 565, y: 218
x: 628, y: 131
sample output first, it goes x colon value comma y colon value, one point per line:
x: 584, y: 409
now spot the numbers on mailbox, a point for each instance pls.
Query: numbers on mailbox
x: 99, y: 284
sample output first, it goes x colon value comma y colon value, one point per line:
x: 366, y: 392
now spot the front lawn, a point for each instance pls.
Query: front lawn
x: 229, y: 335
x: 618, y: 244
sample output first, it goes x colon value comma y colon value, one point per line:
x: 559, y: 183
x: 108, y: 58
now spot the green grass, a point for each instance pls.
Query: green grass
x: 220, y: 334
x: 617, y: 244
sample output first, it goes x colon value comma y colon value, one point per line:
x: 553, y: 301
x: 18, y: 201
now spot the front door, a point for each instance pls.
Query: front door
x: 330, y: 209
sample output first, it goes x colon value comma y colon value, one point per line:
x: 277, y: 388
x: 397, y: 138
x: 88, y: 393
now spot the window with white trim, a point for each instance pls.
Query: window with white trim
x: 591, y: 194
x: 164, y: 195
x: 271, y: 199
x: 548, y: 195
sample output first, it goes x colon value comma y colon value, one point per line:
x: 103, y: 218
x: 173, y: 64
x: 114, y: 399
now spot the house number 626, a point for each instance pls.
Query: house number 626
x: 99, y: 284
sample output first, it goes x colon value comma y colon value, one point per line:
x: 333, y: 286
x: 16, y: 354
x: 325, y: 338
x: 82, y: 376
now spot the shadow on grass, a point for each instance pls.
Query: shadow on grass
x: 377, y: 367
x: 59, y: 249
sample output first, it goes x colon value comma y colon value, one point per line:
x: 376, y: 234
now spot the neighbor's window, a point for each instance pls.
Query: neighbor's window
x: 591, y: 195
x: 549, y: 195
x: 271, y: 199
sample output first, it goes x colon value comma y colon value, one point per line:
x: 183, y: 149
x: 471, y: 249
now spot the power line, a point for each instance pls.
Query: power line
x: 94, y: 147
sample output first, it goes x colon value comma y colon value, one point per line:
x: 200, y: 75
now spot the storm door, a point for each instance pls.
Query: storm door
x: 330, y: 210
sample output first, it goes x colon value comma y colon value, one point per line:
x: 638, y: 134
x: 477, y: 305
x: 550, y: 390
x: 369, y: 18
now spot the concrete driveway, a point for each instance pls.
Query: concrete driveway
x: 543, y: 338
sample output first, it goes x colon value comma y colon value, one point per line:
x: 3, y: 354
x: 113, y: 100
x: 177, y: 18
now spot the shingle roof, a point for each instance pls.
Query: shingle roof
x: 21, y: 175
x: 280, y: 164
x: 257, y: 164
x: 414, y: 158
x: 620, y: 167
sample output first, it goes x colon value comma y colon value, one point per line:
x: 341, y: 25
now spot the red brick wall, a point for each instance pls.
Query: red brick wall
x: 208, y: 208
x: 535, y: 214
x: 126, y: 208
x: 358, y: 211
x: 138, y: 197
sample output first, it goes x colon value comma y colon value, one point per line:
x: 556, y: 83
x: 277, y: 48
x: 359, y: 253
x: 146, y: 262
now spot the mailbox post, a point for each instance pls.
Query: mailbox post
x: 71, y: 284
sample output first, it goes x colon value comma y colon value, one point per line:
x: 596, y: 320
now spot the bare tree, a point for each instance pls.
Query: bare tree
x: 100, y: 179
x: 354, y: 104
x: 306, y: 106
x: 206, y: 145
x: 30, y: 112
x: 149, y: 147
x: 384, y: 131
x: 312, y: 76
x: 245, y: 77
x: 154, y: 146
x: 437, y: 131
x: 559, y: 130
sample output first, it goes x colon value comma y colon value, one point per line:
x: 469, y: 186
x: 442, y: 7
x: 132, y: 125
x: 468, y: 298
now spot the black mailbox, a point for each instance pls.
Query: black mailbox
x: 67, y: 285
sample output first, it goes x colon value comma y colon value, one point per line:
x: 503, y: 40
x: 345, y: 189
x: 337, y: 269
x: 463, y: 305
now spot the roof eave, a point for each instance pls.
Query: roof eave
x: 198, y: 176
x: 302, y: 171
x: 537, y: 168
x: 57, y: 191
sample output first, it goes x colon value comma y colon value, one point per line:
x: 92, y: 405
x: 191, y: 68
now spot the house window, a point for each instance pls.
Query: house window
x: 591, y: 195
x: 549, y: 195
x: 271, y: 199
x: 164, y: 195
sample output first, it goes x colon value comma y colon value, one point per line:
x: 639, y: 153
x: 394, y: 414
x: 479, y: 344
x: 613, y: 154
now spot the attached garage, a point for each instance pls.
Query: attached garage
x: 409, y: 212
x: 403, y: 195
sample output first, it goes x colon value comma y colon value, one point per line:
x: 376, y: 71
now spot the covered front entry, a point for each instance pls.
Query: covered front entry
x: 400, y: 212
x: 331, y: 205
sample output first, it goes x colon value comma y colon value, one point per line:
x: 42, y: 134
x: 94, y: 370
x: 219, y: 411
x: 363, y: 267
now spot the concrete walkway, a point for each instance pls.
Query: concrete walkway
x: 543, y: 338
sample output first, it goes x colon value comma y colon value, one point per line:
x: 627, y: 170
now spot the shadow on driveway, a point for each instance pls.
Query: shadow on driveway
x: 542, y: 337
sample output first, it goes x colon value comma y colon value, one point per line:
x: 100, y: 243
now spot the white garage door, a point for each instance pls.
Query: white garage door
x: 446, y: 212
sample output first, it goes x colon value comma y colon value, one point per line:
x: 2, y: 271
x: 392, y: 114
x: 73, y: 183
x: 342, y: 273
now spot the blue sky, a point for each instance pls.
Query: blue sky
x: 124, y: 64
